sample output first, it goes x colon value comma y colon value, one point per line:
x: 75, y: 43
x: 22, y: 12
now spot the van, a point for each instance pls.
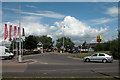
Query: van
x: 5, y: 53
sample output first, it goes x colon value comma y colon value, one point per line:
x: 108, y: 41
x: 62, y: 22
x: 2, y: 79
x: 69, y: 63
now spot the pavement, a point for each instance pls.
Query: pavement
x: 57, y: 65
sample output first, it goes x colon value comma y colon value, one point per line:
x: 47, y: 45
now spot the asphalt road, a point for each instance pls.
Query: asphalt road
x: 58, y: 65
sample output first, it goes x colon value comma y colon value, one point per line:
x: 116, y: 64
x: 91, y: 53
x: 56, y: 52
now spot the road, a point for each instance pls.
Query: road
x: 57, y: 65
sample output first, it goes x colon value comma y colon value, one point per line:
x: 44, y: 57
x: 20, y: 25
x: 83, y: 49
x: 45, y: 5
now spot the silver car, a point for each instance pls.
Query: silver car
x: 102, y: 57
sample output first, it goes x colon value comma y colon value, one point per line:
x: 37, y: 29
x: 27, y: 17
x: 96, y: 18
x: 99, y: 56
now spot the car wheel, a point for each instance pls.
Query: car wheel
x: 104, y: 60
x: 10, y: 57
x: 87, y: 60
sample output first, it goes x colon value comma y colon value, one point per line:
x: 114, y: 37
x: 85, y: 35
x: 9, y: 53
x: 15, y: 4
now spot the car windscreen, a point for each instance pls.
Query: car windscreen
x: 6, y: 50
x: 94, y: 55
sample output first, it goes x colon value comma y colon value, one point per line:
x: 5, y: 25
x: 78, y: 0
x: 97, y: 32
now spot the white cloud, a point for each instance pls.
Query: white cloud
x: 49, y: 14
x: 78, y: 30
x: 31, y: 6
x: 12, y: 9
x: 102, y: 20
x: 33, y: 26
x: 75, y: 29
x: 112, y: 11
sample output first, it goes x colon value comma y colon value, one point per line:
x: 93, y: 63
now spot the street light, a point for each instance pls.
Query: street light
x: 20, y: 57
x: 63, y: 40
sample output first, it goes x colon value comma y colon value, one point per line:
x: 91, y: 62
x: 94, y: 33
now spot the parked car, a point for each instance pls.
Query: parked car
x: 5, y: 53
x: 101, y: 57
x: 74, y: 51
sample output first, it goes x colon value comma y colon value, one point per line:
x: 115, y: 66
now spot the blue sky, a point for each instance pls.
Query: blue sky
x: 95, y: 16
x: 81, y: 10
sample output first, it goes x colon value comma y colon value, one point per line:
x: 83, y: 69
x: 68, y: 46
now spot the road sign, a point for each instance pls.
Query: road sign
x: 99, y: 38
x: 40, y: 47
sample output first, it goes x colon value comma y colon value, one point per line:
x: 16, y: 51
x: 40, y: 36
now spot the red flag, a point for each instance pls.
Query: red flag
x: 23, y: 32
x: 10, y: 31
x: 18, y: 30
x: 5, y: 32
x: 15, y: 30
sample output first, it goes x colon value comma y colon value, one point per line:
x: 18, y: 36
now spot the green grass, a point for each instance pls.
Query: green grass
x: 82, y: 55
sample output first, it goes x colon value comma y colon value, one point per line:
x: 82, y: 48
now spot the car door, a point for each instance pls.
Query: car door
x: 101, y: 56
x: 94, y: 57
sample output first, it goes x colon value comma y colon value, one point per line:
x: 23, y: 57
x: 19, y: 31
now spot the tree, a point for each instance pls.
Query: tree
x: 114, y: 49
x: 84, y: 45
x: 112, y: 46
x: 103, y: 46
x: 67, y: 42
x: 99, y: 47
x: 30, y: 42
x: 46, y: 41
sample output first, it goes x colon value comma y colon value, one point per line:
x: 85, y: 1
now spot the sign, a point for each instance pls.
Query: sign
x: 99, y: 38
x: 17, y: 39
x: 5, y: 32
x: 10, y: 31
x: 39, y: 45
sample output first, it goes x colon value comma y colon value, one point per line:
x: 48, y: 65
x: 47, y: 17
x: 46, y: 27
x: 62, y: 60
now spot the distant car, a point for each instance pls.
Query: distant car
x: 101, y: 57
x: 74, y: 51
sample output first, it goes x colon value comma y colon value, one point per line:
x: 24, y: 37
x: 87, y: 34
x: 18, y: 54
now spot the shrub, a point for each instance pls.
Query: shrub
x: 31, y: 52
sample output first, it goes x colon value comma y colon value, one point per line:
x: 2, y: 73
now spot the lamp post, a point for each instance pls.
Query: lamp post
x: 63, y: 39
x: 80, y: 49
x: 20, y: 57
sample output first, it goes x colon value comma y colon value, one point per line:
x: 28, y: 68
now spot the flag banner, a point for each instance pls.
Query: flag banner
x: 5, y: 32
x: 10, y: 31
x: 18, y: 31
x: 15, y: 30
x: 23, y: 32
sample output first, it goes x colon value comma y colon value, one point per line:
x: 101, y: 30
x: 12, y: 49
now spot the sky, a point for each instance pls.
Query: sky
x: 60, y: 0
x: 81, y: 21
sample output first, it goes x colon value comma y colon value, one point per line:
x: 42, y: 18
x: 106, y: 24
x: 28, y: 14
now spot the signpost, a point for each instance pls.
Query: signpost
x: 40, y: 47
x: 99, y: 38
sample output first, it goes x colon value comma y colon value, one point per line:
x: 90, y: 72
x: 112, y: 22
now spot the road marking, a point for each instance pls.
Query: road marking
x: 44, y: 73
x: 43, y: 63
x: 34, y: 61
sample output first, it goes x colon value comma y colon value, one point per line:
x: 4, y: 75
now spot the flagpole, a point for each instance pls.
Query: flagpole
x: 13, y: 45
x: 4, y: 34
x: 23, y: 36
x: 15, y: 52
x: 3, y: 43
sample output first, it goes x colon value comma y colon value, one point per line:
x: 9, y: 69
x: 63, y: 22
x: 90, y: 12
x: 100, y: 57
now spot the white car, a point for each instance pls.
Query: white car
x: 101, y: 57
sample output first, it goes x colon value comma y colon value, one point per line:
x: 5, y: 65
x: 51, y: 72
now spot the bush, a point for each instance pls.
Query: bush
x: 82, y: 55
x: 31, y: 52
x: 114, y: 49
x: 112, y: 46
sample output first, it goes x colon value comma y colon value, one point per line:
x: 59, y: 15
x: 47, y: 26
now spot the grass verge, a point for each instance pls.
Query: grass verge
x: 82, y: 55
